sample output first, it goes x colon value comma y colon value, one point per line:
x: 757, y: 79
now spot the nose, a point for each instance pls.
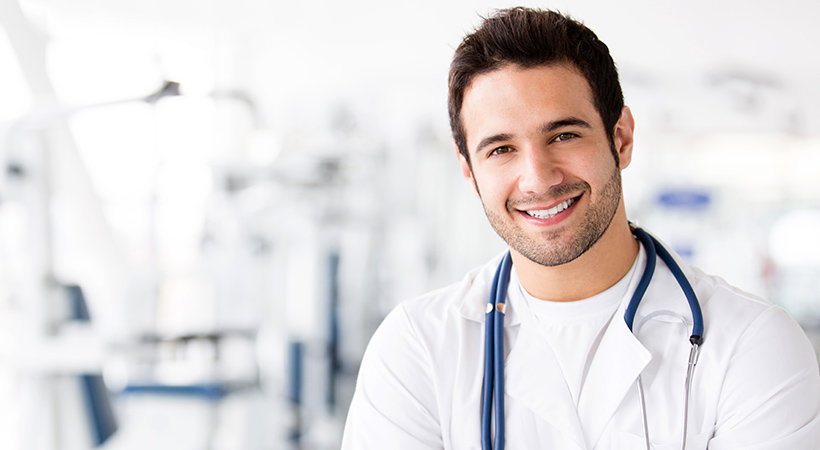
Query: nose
x: 539, y: 171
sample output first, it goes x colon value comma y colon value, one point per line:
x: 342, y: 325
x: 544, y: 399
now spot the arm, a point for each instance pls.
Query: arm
x: 394, y: 405
x: 770, y: 398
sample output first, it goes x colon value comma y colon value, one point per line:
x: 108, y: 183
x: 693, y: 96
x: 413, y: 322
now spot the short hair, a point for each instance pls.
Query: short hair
x: 530, y: 38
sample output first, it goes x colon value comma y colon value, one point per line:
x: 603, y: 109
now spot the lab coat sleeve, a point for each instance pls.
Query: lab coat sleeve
x: 770, y: 399
x: 394, y: 405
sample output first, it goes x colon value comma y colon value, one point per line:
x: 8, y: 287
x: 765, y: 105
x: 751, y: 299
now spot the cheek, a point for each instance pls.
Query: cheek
x: 494, y: 192
x: 596, y: 170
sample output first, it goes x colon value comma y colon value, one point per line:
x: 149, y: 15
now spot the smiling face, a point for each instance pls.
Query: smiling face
x: 541, y: 162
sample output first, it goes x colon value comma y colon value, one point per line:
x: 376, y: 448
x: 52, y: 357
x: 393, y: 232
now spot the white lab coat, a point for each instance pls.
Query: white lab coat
x: 756, y: 385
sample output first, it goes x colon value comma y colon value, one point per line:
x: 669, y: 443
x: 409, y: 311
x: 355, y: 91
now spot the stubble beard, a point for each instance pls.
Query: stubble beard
x: 557, y: 247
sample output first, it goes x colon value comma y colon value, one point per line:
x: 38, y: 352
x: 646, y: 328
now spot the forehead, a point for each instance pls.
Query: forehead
x: 512, y: 98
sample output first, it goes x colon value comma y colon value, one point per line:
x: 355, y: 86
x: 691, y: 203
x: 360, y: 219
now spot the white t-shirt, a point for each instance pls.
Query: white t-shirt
x: 574, y: 329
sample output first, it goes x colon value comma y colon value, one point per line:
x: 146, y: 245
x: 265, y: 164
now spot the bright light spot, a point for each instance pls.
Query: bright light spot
x: 14, y: 228
x: 794, y: 240
x: 263, y: 148
x: 186, y: 129
x: 13, y: 90
x: 86, y: 69
x: 118, y: 147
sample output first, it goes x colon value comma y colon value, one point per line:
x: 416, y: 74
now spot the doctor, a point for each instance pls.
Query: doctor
x: 542, y: 133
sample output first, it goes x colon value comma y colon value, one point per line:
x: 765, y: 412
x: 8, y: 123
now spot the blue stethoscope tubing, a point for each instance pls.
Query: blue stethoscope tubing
x: 494, y: 357
x: 493, y: 390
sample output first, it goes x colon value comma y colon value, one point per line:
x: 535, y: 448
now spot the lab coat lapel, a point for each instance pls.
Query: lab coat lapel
x: 614, y: 370
x: 534, y: 378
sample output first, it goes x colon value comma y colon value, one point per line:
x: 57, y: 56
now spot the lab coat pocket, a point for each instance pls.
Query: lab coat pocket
x: 628, y: 441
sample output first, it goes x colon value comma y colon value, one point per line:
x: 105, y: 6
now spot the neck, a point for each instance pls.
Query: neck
x: 598, y: 269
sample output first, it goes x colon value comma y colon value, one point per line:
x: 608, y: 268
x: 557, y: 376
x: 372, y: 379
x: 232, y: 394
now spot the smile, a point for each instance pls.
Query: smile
x: 552, y: 212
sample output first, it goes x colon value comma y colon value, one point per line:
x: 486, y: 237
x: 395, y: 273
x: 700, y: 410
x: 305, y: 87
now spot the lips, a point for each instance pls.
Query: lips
x: 551, y: 212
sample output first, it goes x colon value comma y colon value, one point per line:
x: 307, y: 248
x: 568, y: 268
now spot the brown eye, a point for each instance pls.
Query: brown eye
x: 565, y: 136
x: 500, y: 151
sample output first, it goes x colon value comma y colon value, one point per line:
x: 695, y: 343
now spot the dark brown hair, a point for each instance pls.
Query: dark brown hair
x: 529, y: 38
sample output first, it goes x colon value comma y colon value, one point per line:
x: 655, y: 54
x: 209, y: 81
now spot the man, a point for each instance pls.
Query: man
x: 542, y: 135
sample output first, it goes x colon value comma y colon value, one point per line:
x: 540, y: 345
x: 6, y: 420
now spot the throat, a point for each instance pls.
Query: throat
x: 600, y: 268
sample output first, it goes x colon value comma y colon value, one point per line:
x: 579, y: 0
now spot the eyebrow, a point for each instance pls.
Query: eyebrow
x: 547, y: 128
x: 568, y: 122
x: 490, y: 140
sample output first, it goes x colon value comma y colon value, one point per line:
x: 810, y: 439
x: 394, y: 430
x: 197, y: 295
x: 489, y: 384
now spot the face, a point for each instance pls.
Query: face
x: 541, y: 162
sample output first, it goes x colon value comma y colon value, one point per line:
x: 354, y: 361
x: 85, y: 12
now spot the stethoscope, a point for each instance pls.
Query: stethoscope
x: 493, y: 392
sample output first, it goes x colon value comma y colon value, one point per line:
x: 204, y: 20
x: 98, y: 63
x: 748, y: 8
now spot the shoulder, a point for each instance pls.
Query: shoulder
x: 727, y: 310
x: 737, y: 319
x: 728, y: 307
x: 737, y: 324
x: 760, y: 345
x: 756, y: 363
x: 768, y: 380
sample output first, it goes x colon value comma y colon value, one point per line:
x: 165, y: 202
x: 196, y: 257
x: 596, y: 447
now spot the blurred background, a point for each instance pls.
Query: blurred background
x: 206, y: 208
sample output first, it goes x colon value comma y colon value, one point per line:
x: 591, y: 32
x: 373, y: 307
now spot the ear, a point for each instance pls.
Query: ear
x: 623, y: 137
x: 466, y: 171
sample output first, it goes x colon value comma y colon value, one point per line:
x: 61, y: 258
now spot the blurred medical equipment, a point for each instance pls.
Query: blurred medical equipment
x: 493, y: 391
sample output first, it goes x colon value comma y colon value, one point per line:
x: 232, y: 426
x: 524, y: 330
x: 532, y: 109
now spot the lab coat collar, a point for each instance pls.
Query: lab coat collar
x: 476, y: 294
x: 613, y: 372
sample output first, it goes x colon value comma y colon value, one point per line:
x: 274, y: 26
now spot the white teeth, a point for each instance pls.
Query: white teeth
x: 547, y: 213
